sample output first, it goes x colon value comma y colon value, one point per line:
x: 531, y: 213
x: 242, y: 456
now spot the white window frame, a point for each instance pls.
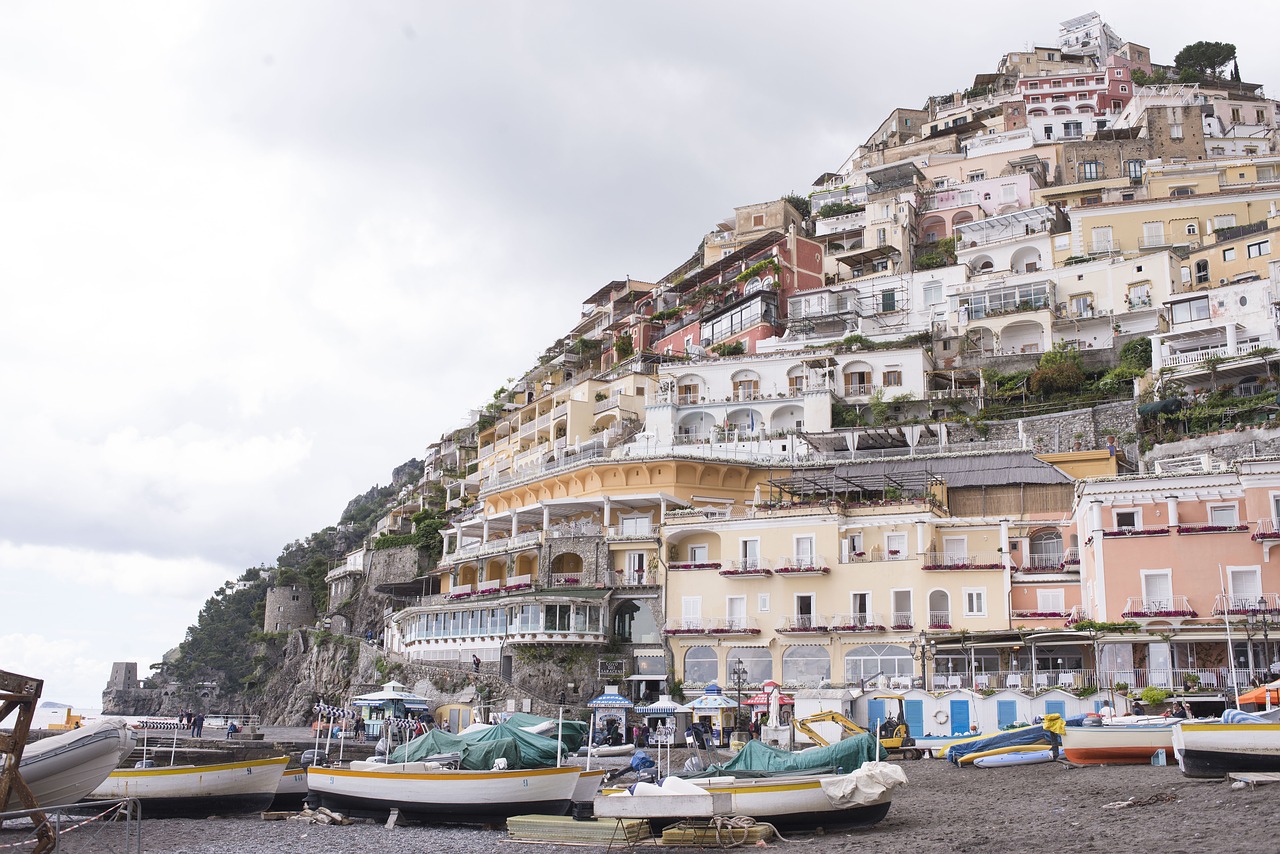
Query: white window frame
x: 968, y: 593
x: 1232, y: 571
x: 691, y: 615
x: 728, y: 610
x: 762, y: 603
x: 813, y: 546
x: 742, y: 551
x: 1257, y: 250
x: 889, y: 540
x: 1051, y: 599
x: 911, y: 601
x: 698, y: 552
x: 1137, y: 518
x: 1144, y: 574
x: 1232, y: 506
x: 853, y: 612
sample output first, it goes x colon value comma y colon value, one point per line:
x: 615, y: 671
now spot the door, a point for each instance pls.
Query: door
x: 875, y: 714
x: 1101, y: 239
x: 861, y: 608
x: 954, y: 550
x: 750, y: 554
x: 915, y: 717
x: 1056, y: 707
x: 804, y: 551
x: 1006, y: 712
x: 804, y: 611
x: 691, y: 612
x: 959, y: 717
x: 1157, y: 592
x: 1159, y: 665
x: 1246, y: 588
x: 896, y: 546
x: 736, y: 612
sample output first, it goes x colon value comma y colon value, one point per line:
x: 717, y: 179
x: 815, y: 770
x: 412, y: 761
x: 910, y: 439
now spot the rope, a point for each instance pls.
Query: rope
x: 728, y: 828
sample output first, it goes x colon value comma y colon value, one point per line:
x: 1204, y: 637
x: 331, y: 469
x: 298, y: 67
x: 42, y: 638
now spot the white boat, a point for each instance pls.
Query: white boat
x: 1216, y: 748
x: 64, y: 768
x: 196, y: 791
x: 292, y: 790
x: 1114, y: 744
x: 588, y: 784
x: 424, y: 791
x: 611, y: 750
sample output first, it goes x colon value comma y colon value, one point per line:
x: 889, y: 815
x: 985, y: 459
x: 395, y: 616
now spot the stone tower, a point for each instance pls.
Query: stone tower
x: 288, y: 607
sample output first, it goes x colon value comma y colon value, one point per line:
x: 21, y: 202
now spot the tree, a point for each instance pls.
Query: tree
x: 800, y: 203
x: 1205, y: 58
x: 1060, y: 370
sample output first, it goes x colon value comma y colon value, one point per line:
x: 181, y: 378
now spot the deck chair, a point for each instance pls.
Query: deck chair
x: 939, y: 682
x: 955, y: 682
x: 1042, y: 680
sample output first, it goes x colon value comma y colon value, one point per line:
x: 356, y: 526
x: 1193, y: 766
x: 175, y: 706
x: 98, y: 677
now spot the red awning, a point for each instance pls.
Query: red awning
x: 762, y: 699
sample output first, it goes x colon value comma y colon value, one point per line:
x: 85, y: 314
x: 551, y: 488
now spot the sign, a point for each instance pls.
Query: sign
x: 663, y: 735
x: 612, y: 668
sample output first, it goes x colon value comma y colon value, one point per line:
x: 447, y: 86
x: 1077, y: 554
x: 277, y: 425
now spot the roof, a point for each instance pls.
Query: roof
x: 997, y: 468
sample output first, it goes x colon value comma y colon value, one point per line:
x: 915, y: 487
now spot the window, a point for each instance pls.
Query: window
x: 1192, y: 229
x: 1229, y: 254
x: 1051, y: 601
x: 1260, y: 117
x: 1133, y: 168
x: 888, y: 301
x: 852, y: 546
x: 1223, y: 514
x: 1257, y: 250
x: 762, y: 603
x: 1202, y: 274
x: 1119, y: 72
x: 1183, y: 191
x: 1224, y: 221
x: 1124, y: 88
x: 757, y: 221
x: 749, y: 552
x: 977, y: 176
x: 1073, y: 130
x: 975, y: 602
x: 933, y: 293
x: 1089, y: 170
x: 1048, y: 131
x: 895, y: 546
x: 1035, y: 99
x: 1128, y: 519
x: 1157, y: 590
x: 698, y: 554
x: 892, y: 378
x: 1235, y: 115
x: 735, y: 612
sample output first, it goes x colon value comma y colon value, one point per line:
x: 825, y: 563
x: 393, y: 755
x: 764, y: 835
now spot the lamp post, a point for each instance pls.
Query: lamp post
x: 923, y: 649
x: 739, y: 673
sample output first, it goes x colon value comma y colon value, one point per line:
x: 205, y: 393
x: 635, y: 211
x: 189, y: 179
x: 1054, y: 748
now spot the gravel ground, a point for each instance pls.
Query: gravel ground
x: 1047, y: 808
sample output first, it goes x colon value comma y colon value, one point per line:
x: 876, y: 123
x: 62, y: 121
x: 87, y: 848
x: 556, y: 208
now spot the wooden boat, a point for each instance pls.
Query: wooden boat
x: 588, y: 784
x: 64, y: 768
x: 601, y: 750
x: 1116, y: 745
x: 424, y: 791
x: 1217, y: 748
x: 292, y: 790
x: 197, y: 791
x: 794, y: 800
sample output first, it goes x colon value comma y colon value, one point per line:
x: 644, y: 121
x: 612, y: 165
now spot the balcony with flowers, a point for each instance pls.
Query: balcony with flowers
x: 1267, y: 530
x: 747, y: 568
x: 802, y: 565
x: 694, y: 565
x: 1147, y: 608
x: 1243, y: 606
x: 1212, y: 529
x: 804, y: 624
x: 856, y: 623
x: 979, y: 561
x: 1135, y: 532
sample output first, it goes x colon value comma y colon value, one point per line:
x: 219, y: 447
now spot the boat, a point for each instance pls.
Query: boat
x: 1112, y: 744
x: 1238, y: 742
x: 62, y: 769
x: 588, y: 784
x: 197, y: 791
x: 292, y: 790
x: 475, y: 777
x: 603, y: 750
x: 1015, y: 757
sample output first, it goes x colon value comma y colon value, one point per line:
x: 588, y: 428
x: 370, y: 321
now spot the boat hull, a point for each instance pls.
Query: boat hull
x: 460, y: 797
x: 794, y: 802
x: 291, y: 791
x: 1217, y: 749
x: 230, y: 788
x: 64, y: 768
x: 1115, y: 745
x: 588, y: 784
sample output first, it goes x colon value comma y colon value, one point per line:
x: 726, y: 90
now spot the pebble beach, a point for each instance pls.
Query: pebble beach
x: 1049, y: 808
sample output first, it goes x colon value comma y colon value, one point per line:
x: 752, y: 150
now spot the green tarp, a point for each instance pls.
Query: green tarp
x: 759, y: 759
x: 481, y: 749
x: 572, y: 732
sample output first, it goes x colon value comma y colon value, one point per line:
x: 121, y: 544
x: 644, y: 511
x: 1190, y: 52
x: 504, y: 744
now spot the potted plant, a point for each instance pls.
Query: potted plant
x: 1191, y: 682
x: 1121, y: 688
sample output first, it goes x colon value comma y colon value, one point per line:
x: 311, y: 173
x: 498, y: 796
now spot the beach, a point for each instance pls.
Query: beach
x: 1049, y: 808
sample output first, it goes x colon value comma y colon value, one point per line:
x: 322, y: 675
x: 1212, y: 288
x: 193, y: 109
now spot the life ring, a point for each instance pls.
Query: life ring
x: 940, y: 716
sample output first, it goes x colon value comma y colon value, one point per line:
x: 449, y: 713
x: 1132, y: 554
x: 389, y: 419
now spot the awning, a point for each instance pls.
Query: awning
x: 610, y: 700
x: 665, y: 706
x: 762, y: 699
x: 713, y: 698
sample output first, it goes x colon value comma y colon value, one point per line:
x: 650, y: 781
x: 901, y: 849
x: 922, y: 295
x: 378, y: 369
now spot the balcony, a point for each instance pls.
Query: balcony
x: 747, y: 568
x: 576, y: 529
x: 1266, y: 603
x: 864, y: 622
x: 858, y: 389
x: 1135, y: 532
x: 566, y: 579
x: 939, y: 619
x: 1268, y: 529
x: 848, y: 555
x: 689, y: 399
x: 1148, y: 608
x: 644, y: 531
x: 953, y: 394
x: 978, y: 561
x: 804, y: 624
x: 1103, y: 247
x: 802, y: 565
x: 902, y: 621
x: 731, y: 626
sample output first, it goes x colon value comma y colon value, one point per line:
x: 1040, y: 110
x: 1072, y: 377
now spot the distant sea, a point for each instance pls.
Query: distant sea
x: 50, y: 712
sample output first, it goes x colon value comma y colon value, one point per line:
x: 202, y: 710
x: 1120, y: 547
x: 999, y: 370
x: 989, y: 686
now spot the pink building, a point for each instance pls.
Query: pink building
x: 1186, y: 555
x: 1074, y: 104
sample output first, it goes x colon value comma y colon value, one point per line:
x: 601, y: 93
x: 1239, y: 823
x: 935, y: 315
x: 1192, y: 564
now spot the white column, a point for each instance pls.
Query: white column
x: 546, y: 518
x: 515, y: 522
x: 608, y: 508
x: 484, y: 531
x: 1233, y: 339
x: 1172, y: 502
x: 1004, y: 543
x: 921, y: 543
x: 662, y: 509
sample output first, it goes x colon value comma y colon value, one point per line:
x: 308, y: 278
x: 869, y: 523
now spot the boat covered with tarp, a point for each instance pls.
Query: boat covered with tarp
x: 757, y: 759
x: 479, y: 749
x: 1046, y: 735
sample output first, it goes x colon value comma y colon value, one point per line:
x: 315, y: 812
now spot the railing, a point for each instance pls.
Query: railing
x: 632, y: 532
x: 1048, y: 560
x: 1146, y: 607
x: 748, y: 564
x: 939, y: 619
x: 858, y: 390
x: 560, y: 410
x: 459, y: 589
x: 848, y: 555
x: 953, y: 394
x: 689, y: 399
x: 1102, y: 246
x: 1136, y: 304
x: 1175, y: 678
x: 864, y: 622
x: 977, y: 560
x: 804, y: 623
x: 1266, y: 603
x: 576, y: 529
x: 902, y: 621
x: 800, y: 564
x: 731, y: 626
x: 606, y: 404
x: 488, y: 586
x: 1268, y: 529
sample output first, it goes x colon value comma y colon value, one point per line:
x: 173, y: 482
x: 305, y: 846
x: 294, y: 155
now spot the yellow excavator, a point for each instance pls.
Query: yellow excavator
x: 895, y: 735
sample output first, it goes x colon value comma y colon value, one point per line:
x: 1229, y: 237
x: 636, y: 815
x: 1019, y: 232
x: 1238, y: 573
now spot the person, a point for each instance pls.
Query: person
x: 1179, y: 711
x: 232, y: 729
x: 475, y: 663
x: 445, y: 726
x: 973, y: 729
x: 1105, y: 709
x: 197, y: 726
x: 1136, y: 708
x: 360, y: 729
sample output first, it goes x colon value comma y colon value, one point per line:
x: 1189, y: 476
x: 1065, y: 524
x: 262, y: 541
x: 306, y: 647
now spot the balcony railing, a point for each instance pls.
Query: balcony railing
x: 1104, y: 246
x: 865, y: 622
x: 858, y: 390
x: 802, y: 565
x: 689, y: 399
x: 632, y: 532
x: 939, y: 619
x: 902, y: 621
x: 1268, y: 529
x: 976, y: 561
x: 805, y: 623
x: 953, y: 393
x: 1047, y: 560
x: 731, y: 626
x: 1149, y: 608
x: 1149, y: 241
x: 575, y: 529
x: 1268, y: 603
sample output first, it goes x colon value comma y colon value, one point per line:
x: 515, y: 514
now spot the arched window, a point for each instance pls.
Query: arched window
x: 806, y: 666
x: 700, y: 665
x: 865, y: 662
x: 1046, y: 549
x: 1192, y: 228
x: 757, y: 660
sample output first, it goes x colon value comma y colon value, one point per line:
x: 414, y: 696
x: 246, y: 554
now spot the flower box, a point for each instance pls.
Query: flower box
x: 1179, y: 613
x: 894, y: 552
x: 939, y: 625
x: 1041, y: 615
x: 693, y: 566
x: 858, y: 628
x: 742, y: 631
x: 513, y: 587
x: 1212, y: 529
x: 803, y: 570
x: 684, y: 631
x: 935, y: 566
x: 902, y: 627
x: 453, y: 596
x: 1265, y: 535
x: 746, y: 572
x: 1137, y: 532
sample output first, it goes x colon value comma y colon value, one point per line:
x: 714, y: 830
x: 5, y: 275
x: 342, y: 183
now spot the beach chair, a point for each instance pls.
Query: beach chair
x: 1042, y: 680
x: 939, y: 682
x: 901, y: 683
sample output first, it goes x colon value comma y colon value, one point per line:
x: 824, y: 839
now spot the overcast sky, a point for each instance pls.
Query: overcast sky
x: 254, y: 255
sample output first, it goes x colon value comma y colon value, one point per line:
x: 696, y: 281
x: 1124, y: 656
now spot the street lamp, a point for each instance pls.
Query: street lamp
x: 1261, y: 616
x: 739, y: 674
x: 923, y: 649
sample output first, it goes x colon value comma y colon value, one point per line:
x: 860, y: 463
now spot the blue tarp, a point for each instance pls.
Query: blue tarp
x: 1008, y: 738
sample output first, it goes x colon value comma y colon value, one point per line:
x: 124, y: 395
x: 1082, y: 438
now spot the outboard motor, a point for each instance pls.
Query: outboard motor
x: 317, y: 758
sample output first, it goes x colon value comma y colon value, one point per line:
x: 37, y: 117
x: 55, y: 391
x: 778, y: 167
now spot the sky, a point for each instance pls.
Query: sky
x: 255, y: 255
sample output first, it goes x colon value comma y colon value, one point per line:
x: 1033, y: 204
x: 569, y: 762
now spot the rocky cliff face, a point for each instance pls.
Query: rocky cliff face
x: 314, y: 667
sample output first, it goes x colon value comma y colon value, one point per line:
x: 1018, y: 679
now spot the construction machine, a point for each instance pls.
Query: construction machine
x: 895, y: 734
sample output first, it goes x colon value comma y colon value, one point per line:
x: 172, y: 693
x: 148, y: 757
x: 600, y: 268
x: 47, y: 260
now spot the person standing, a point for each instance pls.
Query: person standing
x: 197, y: 726
x: 360, y: 729
x: 475, y: 663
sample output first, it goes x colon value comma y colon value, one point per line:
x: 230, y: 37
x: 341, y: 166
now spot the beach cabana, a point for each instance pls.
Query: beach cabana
x: 667, y: 719
x: 609, y: 706
x: 760, y: 704
x: 716, y: 712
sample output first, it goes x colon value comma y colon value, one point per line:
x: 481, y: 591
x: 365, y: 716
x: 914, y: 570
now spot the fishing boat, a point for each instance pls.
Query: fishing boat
x: 292, y: 790
x: 1132, y: 744
x: 474, y: 777
x: 1237, y: 742
x: 64, y: 768
x: 197, y: 791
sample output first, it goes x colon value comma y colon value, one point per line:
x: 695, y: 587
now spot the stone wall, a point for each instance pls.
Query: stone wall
x: 594, y: 552
x: 1058, y: 432
x: 288, y: 607
x: 399, y: 564
x: 1225, y: 446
